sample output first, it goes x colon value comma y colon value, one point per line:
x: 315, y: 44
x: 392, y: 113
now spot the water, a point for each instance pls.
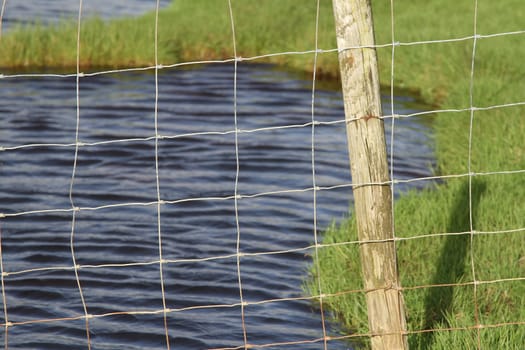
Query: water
x: 47, y: 11
x: 198, y: 226
x: 115, y: 233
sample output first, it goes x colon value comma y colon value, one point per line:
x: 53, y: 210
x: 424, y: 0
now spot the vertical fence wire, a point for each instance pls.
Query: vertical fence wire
x: 470, y: 176
x: 314, y: 182
x: 4, y: 299
x: 392, y: 112
x: 73, y: 176
x: 237, y: 172
x: 157, y: 177
x: 2, y: 11
x: 392, y: 149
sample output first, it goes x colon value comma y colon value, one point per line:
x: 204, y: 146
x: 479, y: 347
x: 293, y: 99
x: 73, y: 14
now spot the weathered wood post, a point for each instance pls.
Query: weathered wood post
x: 370, y: 176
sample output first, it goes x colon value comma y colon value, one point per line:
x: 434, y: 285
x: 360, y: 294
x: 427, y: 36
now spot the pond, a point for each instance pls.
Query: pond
x: 116, y: 229
x: 202, y: 165
x: 22, y: 12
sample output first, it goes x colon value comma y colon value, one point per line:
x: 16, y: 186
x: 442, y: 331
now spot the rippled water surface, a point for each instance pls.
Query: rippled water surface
x: 46, y: 11
x: 114, y: 235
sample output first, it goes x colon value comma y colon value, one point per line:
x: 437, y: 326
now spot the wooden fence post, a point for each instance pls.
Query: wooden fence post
x: 369, y: 167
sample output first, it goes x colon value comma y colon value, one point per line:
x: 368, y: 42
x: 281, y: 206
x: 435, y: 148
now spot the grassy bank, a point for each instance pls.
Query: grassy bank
x: 440, y: 73
x: 188, y: 31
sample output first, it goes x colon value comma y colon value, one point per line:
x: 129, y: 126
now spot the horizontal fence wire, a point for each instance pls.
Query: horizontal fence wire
x: 237, y: 196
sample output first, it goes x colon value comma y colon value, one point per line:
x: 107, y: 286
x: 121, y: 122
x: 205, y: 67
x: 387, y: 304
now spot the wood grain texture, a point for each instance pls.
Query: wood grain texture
x: 370, y: 175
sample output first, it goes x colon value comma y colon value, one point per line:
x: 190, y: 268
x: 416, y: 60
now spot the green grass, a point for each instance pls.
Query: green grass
x: 440, y: 74
x: 188, y: 31
x: 433, y: 260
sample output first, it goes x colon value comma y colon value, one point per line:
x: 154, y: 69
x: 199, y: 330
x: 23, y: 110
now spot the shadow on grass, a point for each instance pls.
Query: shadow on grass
x: 452, y: 261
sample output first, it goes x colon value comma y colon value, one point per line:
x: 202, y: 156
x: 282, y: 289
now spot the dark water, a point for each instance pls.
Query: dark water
x: 47, y: 11
x: 115, y: 233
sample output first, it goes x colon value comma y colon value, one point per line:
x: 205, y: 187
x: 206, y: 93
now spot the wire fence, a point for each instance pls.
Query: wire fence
x: 164, y: 264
